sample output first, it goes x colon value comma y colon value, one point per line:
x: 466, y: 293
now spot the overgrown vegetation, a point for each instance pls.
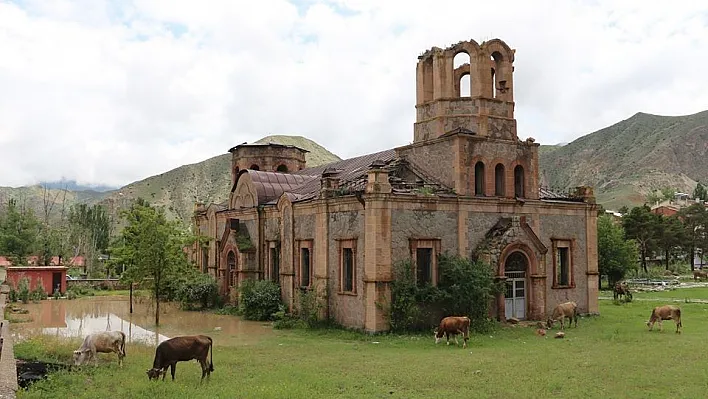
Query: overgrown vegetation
x: 307, y: 312
x: 464, y: 288
x: 200, y: 289
x: 260, y: 299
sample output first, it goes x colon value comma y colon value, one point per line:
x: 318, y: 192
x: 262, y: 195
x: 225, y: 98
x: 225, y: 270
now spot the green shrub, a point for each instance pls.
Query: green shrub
x: 12, y: 296
x: 56, y: 294
x: 202, y: 290
x: 38, y: 293
x: 23, y: 291
x: 310, y: 307
x: 81, y: 289
x: 229, y: 310
x: 70, y: 294
x: 259, y: 299
x: 464, y: 288
x: 283, y: 320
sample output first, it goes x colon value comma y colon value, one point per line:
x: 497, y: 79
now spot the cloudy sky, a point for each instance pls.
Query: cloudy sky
x: 113, y: 91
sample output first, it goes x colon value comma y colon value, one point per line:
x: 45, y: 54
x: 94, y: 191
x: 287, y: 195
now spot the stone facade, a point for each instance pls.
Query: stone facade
x: 466, y: 185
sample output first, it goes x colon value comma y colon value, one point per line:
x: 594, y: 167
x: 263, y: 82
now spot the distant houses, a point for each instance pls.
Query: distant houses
x: 52, y: 277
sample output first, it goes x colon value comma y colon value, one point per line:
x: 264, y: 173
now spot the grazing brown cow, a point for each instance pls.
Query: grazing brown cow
x: 182, y: 349
x: 622, y: 288
x: 569, y: 310
x: 665, y: 312
x: 101, y: 342
x: 453, y: 325
x: 700, y: 274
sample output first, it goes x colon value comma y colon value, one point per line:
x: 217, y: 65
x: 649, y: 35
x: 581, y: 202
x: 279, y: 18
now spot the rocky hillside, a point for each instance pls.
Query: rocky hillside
x: 626, y: 161
x: 207, y: 181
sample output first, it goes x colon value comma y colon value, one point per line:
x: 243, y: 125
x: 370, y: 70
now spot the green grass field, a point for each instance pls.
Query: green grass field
x: 609, y: 356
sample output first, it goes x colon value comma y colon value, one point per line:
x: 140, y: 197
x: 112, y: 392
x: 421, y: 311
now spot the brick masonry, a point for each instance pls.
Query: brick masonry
x: 382, y: 225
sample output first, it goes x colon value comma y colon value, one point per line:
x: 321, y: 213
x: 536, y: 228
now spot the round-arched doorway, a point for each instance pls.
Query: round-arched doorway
x: 515, y: 267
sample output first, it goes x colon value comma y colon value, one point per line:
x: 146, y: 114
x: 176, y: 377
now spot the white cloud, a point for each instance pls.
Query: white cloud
x: 106, y: 91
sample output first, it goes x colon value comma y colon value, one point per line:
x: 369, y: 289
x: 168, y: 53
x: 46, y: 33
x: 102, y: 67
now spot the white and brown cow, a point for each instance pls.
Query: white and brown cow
x: 103, y: 342
x: 453, y: 325
x: 563, y: 310
x: 182, y: 349
x: 665, y: 312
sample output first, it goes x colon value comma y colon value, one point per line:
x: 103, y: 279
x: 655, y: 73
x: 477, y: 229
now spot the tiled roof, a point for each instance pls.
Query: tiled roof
x: 271, y: 185
x: 350, y: 171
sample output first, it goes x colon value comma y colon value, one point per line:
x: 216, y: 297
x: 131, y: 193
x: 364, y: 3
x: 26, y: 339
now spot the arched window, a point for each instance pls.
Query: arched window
x: 461, y: 64
x: 282, y: 169
x: 519, y: 181
x: 479, y: 178
x: 254, y: 167
x: 465, y: 85
x: 231, y: 267
x: 494, y: 83
x: 499, y: 189
x: 495, y: 60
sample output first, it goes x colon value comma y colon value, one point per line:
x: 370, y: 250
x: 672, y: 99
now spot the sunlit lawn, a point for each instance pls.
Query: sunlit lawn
x: 610, y: 356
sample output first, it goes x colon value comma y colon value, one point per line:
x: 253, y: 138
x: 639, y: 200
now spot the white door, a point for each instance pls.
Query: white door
x: 515, y: 295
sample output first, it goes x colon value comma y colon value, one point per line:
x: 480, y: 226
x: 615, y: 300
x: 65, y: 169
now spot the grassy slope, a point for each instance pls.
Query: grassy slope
x: 176, y: 190
x: 627, y: 160
x: 208, y: 181
x: 607, y: 356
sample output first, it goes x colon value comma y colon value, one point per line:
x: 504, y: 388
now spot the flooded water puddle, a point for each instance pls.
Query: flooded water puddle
x: 78, y: 318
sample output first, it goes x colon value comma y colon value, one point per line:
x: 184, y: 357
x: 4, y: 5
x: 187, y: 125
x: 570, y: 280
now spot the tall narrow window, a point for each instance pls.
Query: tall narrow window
x: 424, y: 266
x: 499, y: 180
x: 479, y: 178
x: 347, y: 270
x: 494, y: 83
x: 304, y: 267
x: 562, y: 263
x: 347, y: 266
x: 519, y: 181
x: 205, y: 259
x: 563, y: 269
x: 275, y: 263
x: 231, y: 267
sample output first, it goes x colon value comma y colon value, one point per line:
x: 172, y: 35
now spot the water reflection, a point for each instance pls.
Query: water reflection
x: 78, y: 318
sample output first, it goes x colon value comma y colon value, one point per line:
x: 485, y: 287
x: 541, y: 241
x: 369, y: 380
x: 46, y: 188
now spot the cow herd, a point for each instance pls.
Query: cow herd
x: 167, y: 354
x: 200, y: 347
x: 459, y: 325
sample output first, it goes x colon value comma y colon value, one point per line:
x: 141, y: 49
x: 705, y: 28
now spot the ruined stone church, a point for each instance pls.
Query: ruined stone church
x: 466, y: 185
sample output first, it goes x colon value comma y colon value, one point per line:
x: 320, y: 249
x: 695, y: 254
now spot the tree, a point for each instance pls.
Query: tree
x: 700, y: 192
x: 623, y: 210
x: 670, y: 236
x: 667, y: 193
x: 642, y: 226
x: 615, y: 255
x: 90, y: 227
x: 153, y: 248
x: 18, y: 231
x: 695, y: 218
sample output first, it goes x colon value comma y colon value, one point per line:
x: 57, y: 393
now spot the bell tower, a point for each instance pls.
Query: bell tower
x: 477, y: 96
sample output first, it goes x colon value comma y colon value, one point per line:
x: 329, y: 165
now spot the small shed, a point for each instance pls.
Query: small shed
x: 51, y: 277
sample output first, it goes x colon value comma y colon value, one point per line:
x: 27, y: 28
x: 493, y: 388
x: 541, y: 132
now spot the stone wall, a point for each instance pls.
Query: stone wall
x: 411, y: 224
x: 8, y: 367
x: 566, y: 227
x: 347, y: 309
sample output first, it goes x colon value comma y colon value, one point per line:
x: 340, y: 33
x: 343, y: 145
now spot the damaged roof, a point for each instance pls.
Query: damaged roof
x: 305, y: 184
